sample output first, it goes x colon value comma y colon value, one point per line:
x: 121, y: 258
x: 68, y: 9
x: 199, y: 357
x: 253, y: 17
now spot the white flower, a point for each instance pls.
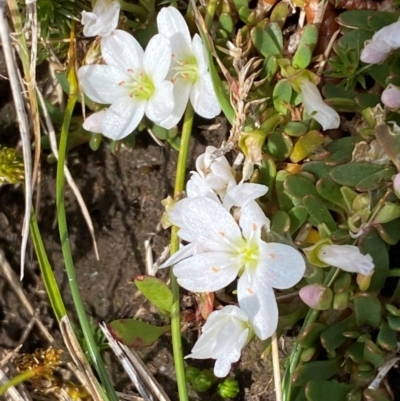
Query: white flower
x: 221, y: 250
x: 315, y: 107
x: 103, y: 20
x: 382, y: 44
x: 189, y: 70
x: 216, y: 175
x: 224, y: 334
x: 347, y: 257
x: 133, y: 82
x: 391, y: 96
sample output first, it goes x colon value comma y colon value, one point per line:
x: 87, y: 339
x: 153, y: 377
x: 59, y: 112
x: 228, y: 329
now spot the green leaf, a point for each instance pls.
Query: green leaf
x: 373, y: 354
x: 376, y: 180
x: 268, y: 41
x: 302, y: 57
x: 278, y: 145
x: 351, y: 174
x: 285, y: 201
x: 226, y: 23
x: 267, y: 173
x: 280, y: 222
x: 389, y: 232
x: 156, y: 291
x: 279, y: 13
x: 367, y: 309
x: 341, y: 150
x: 319, y: 213
x: 389, y: 142
x: 330, y: 190
x: 318, y: 168
x: 298, y: 216
x: 333, y: 337
x: 315, y: 370
x: 310, y: 334
x: 306, y: 145
x: 317, y: 390
x: 387, y: 337
x: 299, y: 187
x: 281, y: 96
x: 136, y: 334
x: 295, y: 128
x: 373, y: 244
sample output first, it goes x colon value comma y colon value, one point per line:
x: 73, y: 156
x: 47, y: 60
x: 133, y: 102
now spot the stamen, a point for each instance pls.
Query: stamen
x: 215, y: 269
x: 130, y: 71
x: 121, y: 83
x: 250, y: 291
x: 272, y: 256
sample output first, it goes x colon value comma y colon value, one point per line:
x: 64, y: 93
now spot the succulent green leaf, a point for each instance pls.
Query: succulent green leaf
x: 281, y: 96
x: 367, y: 309
x: 309, y: 336
x: 351, y: 174
x: 373, y: 354
x: 278, y: 145
x: 298, y: 216
x: 374, y: 245
x: 319, y: 213
x: 387, y: 337
x: 306, y: 145
x: 315, y: 370
x: 333, y: 337
x: 295, y: 128
x: 284, y: 199
x: 280, y: 222
x: 268, y: 41
x: 317, y: 390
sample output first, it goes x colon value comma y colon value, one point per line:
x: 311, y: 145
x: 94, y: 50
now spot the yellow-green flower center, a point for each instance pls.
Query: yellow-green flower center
x: 186, y: 68
x: 140, y: 86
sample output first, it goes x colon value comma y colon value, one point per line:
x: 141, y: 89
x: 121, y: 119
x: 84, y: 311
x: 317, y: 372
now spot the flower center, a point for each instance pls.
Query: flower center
x: 140, y: 86
x: 187, y: 68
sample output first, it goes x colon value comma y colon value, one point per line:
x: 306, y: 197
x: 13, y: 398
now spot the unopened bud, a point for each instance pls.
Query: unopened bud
x: 192, y: 373
x: 229, y: 388
x: 391, y: 97
x: 204, y: 381
x: 389, y: 212
x: 317, y: 296
x: 364, y: 281
x: 396, y: 185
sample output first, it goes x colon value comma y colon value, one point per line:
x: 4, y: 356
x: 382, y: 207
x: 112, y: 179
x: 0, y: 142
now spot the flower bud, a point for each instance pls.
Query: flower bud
x: 317, y: 296
x: 396, y: 185
x: 229, y: 388
x: 204, y: 381
x: 364, y: 281
x: 391, y: 97
x: 192, y: 373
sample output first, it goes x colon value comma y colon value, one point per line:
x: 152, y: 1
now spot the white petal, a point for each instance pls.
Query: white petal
x: 122, y: 118
x: 157, y: 58
x: 391, y: 97
x: 199, y: 53
x: 387, y: 38
x: 347, y: 257
x: 100, y: 83
x: 183, y: 253
x: 103, y: 20
x: 197, y: 186
x: 371, y: 55
x: 203, y: 98
x: 160, y: 105
x: 170, y: 22
x: 94, y: 121
x: 206, y: 272
x: 207, y: 219
x: 122, y: 50
x: 181, y: 96
x: 315, y: 107
x: 258, y: 300
x: 252, y: 215
x: 281, y: 266
x: 242, y: 194
x: 232, y: 354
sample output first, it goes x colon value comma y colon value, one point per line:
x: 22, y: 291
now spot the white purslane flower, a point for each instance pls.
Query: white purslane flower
x: 102, y: 20
x: 382, y: 44
x: 213, y: 176
x: 316, y: 108
x: 224, y: 334
x: 189, y: 70
x: 391, y: 96
x: 220, y: 250
x: 347, y: 257
x: 133, y: 82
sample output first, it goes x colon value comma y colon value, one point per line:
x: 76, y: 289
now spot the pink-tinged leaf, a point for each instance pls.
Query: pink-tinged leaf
x: 136, y: 334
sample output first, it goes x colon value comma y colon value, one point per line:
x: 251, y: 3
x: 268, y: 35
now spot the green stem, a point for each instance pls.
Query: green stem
x: 179, y: 186
x: 63, y: 229
x: 27, y: 375
x: 175, y: 309
x: 311, y: 317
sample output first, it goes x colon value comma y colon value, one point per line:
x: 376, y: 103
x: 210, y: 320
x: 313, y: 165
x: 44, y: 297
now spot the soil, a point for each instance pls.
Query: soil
x: 123, y: 194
